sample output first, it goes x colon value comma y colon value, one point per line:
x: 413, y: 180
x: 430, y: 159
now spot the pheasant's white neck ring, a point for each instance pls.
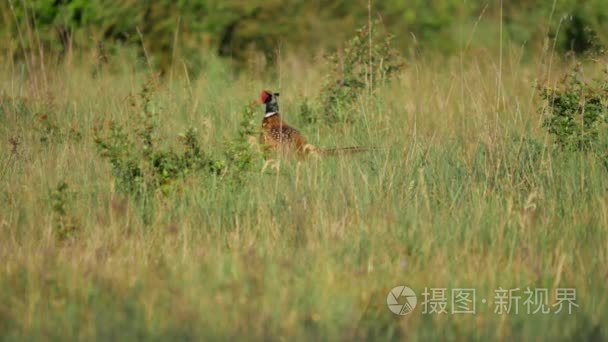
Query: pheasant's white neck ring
x: 267, y: 115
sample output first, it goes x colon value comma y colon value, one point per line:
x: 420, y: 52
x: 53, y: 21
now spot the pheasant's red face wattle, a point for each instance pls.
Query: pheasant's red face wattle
x: 265, y: 96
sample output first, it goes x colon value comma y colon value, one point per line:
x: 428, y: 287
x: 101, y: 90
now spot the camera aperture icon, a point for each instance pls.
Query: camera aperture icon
x: 401, y: 300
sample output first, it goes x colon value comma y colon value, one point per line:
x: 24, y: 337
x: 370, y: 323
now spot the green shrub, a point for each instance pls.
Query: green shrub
x: 307, y: 113
x: 575, y: 111
x: 583, y: 25
x: 367, y: 61
x: 140, y: 164
x: 49, y: 132
x: 241, y: 154
x: 64, y: 223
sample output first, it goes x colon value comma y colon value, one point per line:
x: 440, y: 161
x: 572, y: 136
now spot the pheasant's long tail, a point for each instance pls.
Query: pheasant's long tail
x: 343, y: 150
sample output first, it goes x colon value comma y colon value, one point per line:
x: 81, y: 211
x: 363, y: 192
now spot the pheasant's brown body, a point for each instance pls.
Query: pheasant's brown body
x: 278, y: 135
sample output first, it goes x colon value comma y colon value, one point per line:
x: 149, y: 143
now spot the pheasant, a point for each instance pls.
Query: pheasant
x: 279, y: 136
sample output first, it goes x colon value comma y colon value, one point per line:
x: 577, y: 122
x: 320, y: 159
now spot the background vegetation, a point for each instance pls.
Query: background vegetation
x: 137, y: 204
x: 176, y: 32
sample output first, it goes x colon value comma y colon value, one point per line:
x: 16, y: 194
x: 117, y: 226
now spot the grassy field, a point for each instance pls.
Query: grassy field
x: 465, y: 190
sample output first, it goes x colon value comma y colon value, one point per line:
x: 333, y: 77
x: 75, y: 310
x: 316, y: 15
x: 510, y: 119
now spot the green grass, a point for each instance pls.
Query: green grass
x: 465, y: 190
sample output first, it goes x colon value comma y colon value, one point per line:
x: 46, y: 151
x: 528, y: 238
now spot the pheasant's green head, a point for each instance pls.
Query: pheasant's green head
x: 270, y: 99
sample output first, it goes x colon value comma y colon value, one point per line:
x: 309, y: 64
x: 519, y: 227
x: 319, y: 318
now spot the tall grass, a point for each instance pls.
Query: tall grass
x: 458, y: 194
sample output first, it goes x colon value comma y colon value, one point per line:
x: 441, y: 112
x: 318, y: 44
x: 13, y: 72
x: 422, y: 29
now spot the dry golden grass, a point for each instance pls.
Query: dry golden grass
x: 464, y: 191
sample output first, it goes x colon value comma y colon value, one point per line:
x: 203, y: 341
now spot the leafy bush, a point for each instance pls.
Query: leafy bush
x: 50, y: 132
x: 584, y: 26
x: 241, y: 153
x: 576, y: 111
x: 140, y: 165
x: 367, y: 62
x: 307, y: 112
x: 65, y: 224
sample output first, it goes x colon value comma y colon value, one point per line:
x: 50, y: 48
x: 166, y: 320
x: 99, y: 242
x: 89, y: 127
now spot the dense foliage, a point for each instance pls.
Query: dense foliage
x: 175, y: 32
x: 576, y: 112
